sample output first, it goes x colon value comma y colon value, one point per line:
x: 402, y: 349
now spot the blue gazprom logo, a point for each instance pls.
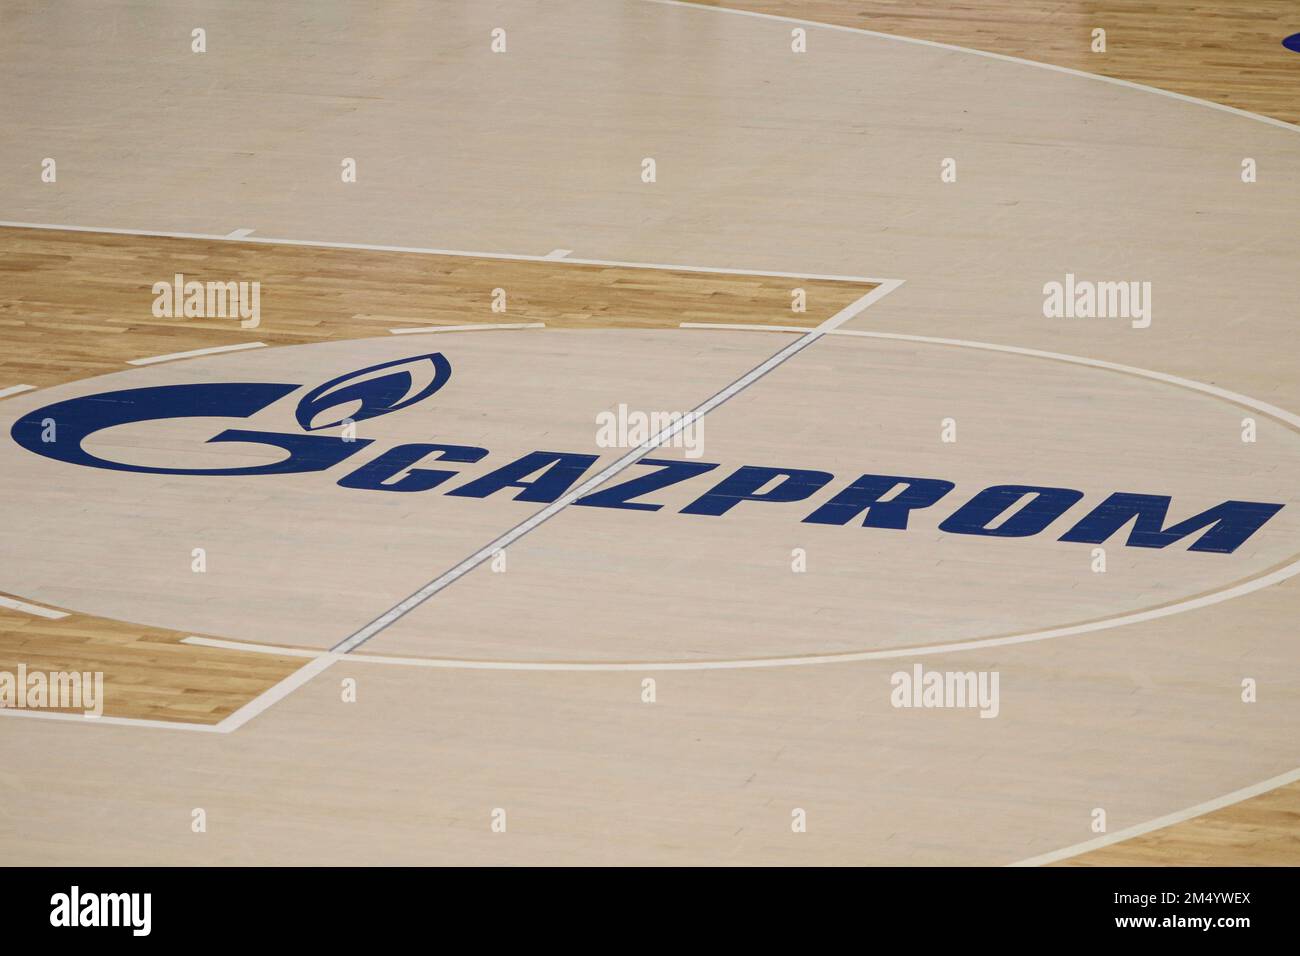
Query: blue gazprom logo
x: 870, y: 500
x: 77, y: 419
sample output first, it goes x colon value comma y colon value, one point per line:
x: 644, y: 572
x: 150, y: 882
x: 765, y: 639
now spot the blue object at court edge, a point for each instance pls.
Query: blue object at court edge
x: 1292, y: 42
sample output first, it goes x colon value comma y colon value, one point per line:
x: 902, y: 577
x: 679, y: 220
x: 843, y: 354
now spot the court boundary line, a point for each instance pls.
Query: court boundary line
x: 1005, y: 57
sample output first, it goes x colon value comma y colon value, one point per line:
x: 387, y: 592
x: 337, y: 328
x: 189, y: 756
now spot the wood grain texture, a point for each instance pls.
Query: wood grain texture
x: 1224, y: 51
x: 76, y: 304
x: 1261, y: 831
x: 148, y: 673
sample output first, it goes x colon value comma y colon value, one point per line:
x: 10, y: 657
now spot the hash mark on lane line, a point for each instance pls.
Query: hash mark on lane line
x: 14, y: 604
x: 155, y: 359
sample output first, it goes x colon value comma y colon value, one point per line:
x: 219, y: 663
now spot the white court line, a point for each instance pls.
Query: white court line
x: 239, y: 718
x: 1281, y: 414
x: 427, y: 251
x: 1159, y: 823
x: 15, y: 390
x: 154, y: 359
x: 272, y: 696
x: 257, y: 648
x: 1136, y: 617
x: 559, y: 504
x: 469, y: 328
x: 558, y: 253
x: 745, y: 327
x: 112, y: 721
x: 1069, y: 71
x: 239, y: 233
x: 15, y: 605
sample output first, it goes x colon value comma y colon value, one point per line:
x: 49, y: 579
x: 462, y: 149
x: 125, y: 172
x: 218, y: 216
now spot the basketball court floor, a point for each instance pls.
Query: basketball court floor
x: 410, y: 561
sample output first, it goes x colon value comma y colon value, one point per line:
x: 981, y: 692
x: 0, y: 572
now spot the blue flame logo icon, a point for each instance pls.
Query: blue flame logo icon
x: 378, y: 395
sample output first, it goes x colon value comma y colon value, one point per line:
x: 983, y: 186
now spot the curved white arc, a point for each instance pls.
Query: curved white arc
x: 1289, y: 570
x: 1281, y: 414
x: 1070, y: 71
x: 1159, y: 823
x: 1136, y: 617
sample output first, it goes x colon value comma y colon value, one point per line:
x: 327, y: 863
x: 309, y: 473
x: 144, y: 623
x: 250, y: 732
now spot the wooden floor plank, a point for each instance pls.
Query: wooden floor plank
x: 147, y: 672
x: 76, y: 304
